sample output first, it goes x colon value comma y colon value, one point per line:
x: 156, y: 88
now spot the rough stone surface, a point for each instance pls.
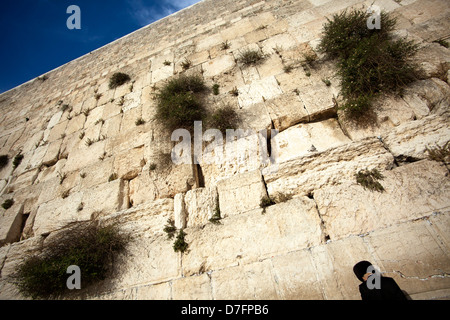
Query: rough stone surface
x: 200, y: 205
x: 241, y: 193
x: 304, y: 174
x: 320, y: 223
x: 411, y: 192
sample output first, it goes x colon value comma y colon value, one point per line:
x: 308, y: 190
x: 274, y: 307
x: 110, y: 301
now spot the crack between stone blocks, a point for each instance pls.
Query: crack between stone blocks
x: 433, y: 276
x: 322, y: 286
x: 4, y: 260
x: 325, y: 235
x: 343, y: 129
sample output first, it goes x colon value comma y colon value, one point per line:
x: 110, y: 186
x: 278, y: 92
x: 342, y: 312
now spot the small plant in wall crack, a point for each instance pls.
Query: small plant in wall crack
x: 180, y: 244
x: 170, y: 229
x: 17, y: 160
x: 266, y: 201
x: 215, y: 219
x: 251, y: 57
x: 369, y: 179
x: 4, y: 159
x: 7, y: 204
x: 118, y: 79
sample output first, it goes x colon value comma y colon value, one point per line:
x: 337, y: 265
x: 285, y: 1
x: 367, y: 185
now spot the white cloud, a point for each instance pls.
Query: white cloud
x: 145, y: 14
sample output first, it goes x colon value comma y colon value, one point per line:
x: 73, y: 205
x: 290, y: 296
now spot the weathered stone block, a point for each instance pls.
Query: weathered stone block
x: 304, y: 139
x: 179, y: 209
x: 417, y: 259
x: 218, y: 65
x: 296, y: 276
x: 75, y: 124
x: 334, y: 166
x: 287, y: 110
x: 200, y: 205
x: 10, y: 223
x: 407, y: 196
x: 281, y: 228
x: 58, y: 213
x: 334, y: 267
x: 410, y: 140
x: 248, y: 282
x: 224, y: 160
x: 258, y: 91
x: 192, y: 288
x: 51, y: 156
x: 84, y: 156
x: 241, y: 193
x: 104, y: 198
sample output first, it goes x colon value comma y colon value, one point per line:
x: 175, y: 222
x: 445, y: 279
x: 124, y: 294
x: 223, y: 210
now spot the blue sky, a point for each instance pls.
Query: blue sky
x: 34, y: 37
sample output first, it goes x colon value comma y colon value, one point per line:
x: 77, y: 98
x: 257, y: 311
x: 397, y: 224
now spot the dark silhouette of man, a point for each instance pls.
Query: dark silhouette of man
x: 374, y: 286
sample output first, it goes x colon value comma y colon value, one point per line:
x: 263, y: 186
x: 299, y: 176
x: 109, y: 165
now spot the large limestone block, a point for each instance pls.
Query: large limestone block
x: 410, y: 140
x: 334, y: 267
x: 57, y: 131
x: 304, y: 174
x: 129, y: 119
x: 129, y: 164
x: 131, y: 139
x: 165, y: 181
x: 248, y: 282
x: 23, y: 180
x: 296, y: 276
x: 132, y: 100
x: 386, y: 113
x: 162, y: 73
x: 51, y: 156
x: 11, y: 256
x: 281, y: 228
x: 161, y: 291
x: 179, y: 211
x: 82, y: 156
x: 146, y: 219
x: 142, y: 189
x: 434, y: 60
x: 54, y: 119
x: 271, y: 66
x: 413, y: 254
x: 300, y: 139
x: 241, y: 193
x: 58, y: 213
x: 224, y: 160
x: 421, y: 11
x: 432, y: 29
x: 218, y: 65
x: 10, y: 223
x: 255, y: 117
x: 237, y: 29
x: 287, y: 110
x: 147, y: 260
x: 37, y: 157
x: 258, y: 91
x: 192, y: 288
x: 283, y: 40
x: 411, y: 192
x: 430, y: 95
x: 441, y: 225
x: 97, y: 173
x: 200, y: 205
x: 75, y: 124
x: 104, y: 198
x: 318, y: 100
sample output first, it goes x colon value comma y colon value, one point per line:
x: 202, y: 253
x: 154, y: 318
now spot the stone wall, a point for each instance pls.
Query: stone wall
x: 323, y: 222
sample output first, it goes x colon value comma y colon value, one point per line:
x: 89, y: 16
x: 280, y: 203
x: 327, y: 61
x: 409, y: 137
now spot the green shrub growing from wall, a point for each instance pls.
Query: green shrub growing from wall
x: 370, y: 61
